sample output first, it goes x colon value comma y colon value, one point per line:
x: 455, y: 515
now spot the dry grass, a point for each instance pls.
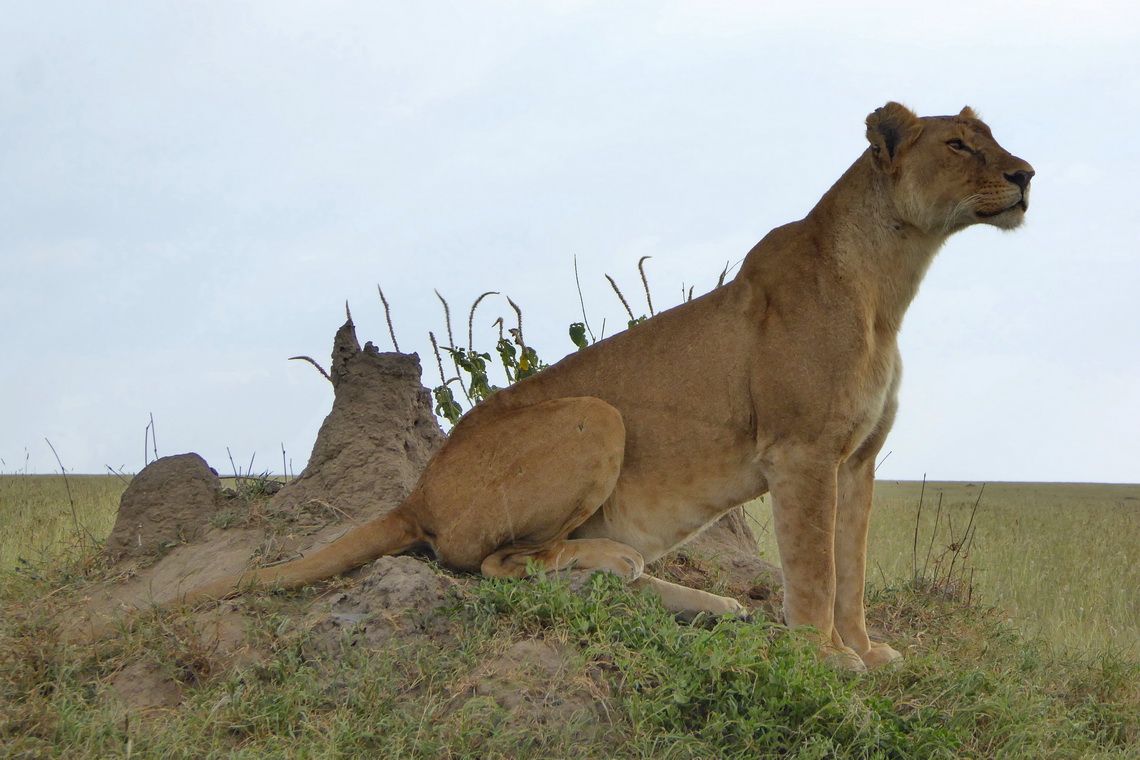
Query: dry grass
x: 1063, y: 559
x: 39, y: 516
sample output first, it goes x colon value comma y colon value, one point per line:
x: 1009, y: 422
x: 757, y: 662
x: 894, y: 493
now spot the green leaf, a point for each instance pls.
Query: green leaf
x: 445, y: 404
x: 578, y: 335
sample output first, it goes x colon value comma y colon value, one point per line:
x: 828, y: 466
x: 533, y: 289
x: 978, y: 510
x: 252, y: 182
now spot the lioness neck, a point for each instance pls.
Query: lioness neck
x: 857, y: 239
x: 872, y: 243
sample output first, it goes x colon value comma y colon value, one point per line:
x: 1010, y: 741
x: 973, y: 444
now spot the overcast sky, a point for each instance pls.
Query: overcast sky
x: 189, y: 193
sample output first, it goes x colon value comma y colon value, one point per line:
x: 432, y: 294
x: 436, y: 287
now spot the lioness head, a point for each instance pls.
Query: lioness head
x: 947, y: 172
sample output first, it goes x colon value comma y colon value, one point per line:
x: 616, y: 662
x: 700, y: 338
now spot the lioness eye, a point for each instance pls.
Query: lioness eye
x: 957, y: 144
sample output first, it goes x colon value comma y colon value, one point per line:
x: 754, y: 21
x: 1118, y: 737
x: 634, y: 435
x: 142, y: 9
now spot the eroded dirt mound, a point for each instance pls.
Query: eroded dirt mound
x: 376, y: 440
x: 146, y: 685
x: 399, y: 598
x: 170, y: 502
x: 368, y: 455
x: 543, y: 683
x: 725, y: 558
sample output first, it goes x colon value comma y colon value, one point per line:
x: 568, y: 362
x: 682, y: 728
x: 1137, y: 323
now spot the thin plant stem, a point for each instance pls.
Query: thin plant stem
x: 518, y: 313
x: 313, y: 361
x: 471, y: 320
x: 645, y: 282
x: 79, y: 530
x: 388, y: 319
x: 624, y: 303
x: 582, y: 301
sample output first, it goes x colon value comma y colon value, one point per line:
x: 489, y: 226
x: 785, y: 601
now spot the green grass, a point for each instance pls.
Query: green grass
x: 1061, y: 559
x: 971, y: 687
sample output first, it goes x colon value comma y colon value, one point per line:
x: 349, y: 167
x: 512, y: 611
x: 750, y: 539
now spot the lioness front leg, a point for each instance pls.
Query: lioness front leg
x: 804, y: 492
x: 856, y: 487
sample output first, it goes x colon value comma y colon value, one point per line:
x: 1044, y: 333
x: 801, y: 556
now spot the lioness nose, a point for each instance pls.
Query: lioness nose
x: 1021, y: 177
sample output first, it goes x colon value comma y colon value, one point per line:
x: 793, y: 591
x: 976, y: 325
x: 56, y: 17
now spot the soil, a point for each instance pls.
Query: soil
x: 170, y: 502
x: 376, y: 440
x: 379, y: 435
x: 399, y: 598
x: 539, y: 683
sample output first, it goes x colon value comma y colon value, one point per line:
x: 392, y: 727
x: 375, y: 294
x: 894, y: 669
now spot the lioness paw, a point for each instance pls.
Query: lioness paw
x: 626, y: 565
x: 735, y: 608
x: 625, y: 562
x: 843, y: 660
x: 879, y: 655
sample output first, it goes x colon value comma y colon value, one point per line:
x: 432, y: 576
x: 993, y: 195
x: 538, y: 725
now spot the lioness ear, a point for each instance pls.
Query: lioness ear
x: 968, y: 113
x: 892, y: 128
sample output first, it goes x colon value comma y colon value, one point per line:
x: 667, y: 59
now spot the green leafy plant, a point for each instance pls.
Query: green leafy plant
x: 519, y: 360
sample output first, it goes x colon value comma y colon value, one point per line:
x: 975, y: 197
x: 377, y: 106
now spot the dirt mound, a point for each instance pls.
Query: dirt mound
x: 376, y: 440
x: 367, y: 457
x: 170, y: 502
x: 146, y: 685
x: 542, y: 683
x: 399, y: 598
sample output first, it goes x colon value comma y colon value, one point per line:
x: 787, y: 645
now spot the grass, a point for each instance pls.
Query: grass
x: 39, y: 514
x: 973, y: 684
x: 971, y: 688
x: 1061, y: 559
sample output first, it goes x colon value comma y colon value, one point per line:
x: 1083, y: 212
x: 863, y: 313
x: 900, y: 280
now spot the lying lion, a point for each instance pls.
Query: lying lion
x: 785, y: 381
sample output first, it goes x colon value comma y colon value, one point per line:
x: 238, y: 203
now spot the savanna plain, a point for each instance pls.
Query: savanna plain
x: 1017, y: 606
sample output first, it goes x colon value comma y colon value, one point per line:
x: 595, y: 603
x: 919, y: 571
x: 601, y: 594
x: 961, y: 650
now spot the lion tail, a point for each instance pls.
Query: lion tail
x: 393, y: 533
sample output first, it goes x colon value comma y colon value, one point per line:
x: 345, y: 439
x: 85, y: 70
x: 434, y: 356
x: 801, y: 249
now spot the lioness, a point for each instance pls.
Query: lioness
x: 785, y: 380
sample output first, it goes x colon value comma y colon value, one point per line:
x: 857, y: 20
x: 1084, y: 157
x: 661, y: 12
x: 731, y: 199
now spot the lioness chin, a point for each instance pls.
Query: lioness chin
x: 785, y: 380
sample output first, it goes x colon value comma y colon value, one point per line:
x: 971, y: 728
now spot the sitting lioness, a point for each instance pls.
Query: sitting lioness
x: 785, y: 380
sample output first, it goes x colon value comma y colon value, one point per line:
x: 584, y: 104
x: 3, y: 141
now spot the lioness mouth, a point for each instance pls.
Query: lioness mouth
x: 1021, y: 204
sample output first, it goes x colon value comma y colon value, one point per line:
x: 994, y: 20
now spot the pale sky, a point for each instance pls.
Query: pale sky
x: 189, y: 193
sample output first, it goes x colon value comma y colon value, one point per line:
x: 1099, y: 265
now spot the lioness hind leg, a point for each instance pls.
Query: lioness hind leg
x: 578, y: 554
x: 513, y: 484
x: 681, y: 600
